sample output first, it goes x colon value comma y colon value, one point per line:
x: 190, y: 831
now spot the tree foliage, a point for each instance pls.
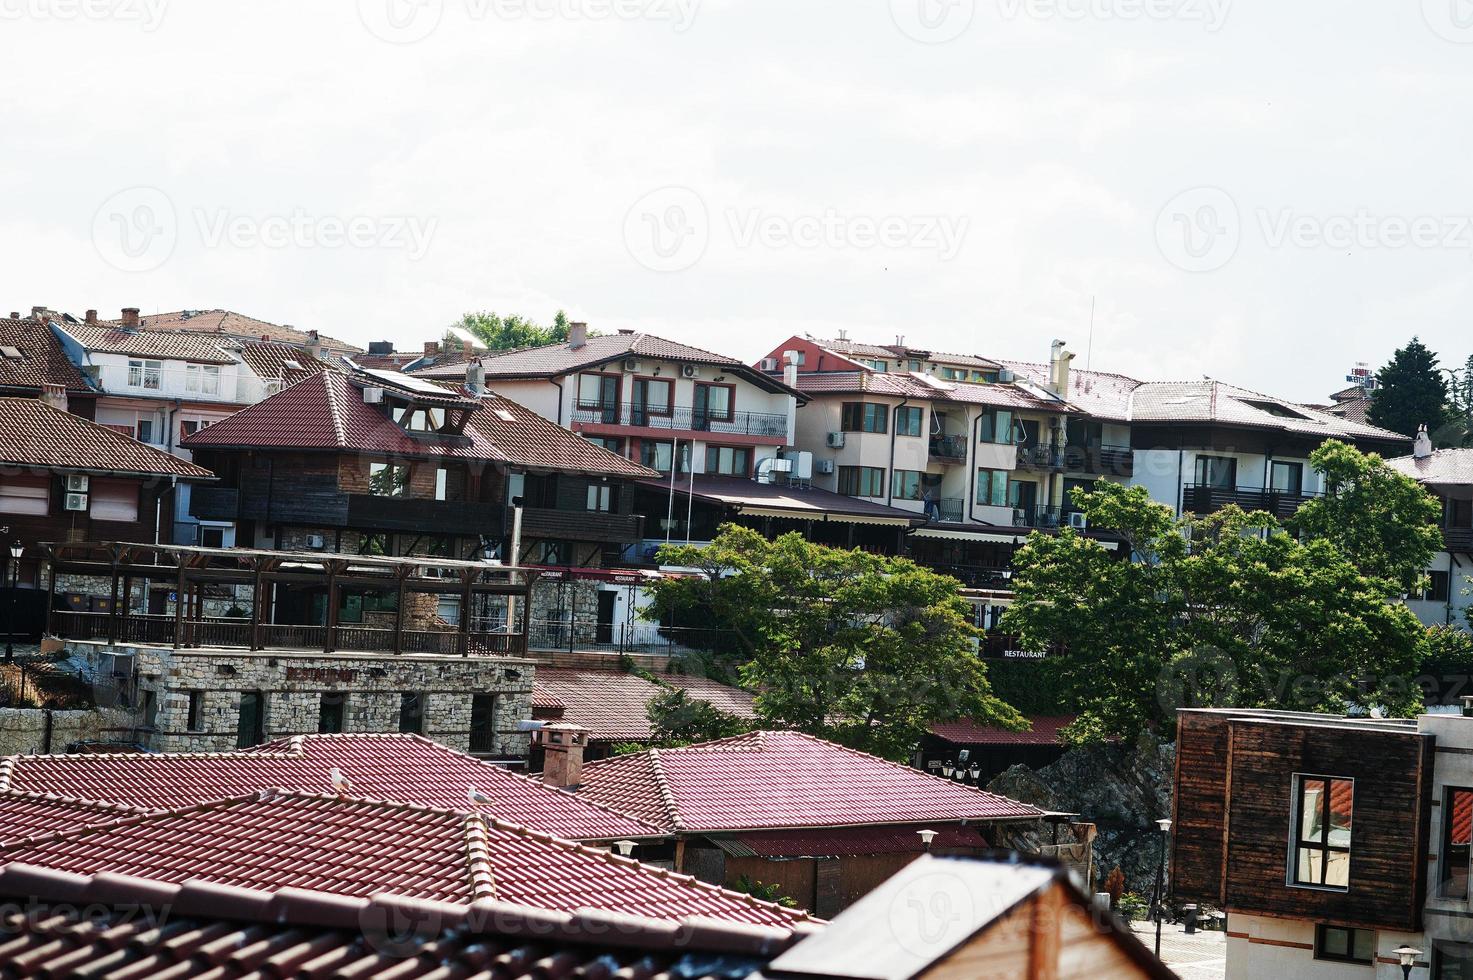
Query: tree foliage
x: 1226, y: 610
x: 511, y: 332
x: 1411, y: 391
x: 862, y: 649
x: 676, y: 718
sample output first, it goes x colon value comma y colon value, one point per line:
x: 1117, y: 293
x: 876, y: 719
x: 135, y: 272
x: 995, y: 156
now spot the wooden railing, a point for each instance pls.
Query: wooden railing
x: 1202, y: 498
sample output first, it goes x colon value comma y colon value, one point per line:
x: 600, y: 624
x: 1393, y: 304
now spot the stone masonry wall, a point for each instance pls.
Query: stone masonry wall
x: 23, y: 730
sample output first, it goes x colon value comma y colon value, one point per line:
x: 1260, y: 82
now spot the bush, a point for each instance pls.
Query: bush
x: 763, y: 892
x: 1132, y: 907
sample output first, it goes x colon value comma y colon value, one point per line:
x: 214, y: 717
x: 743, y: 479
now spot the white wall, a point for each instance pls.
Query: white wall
x: 1259, y: 948
x: 173, y: 382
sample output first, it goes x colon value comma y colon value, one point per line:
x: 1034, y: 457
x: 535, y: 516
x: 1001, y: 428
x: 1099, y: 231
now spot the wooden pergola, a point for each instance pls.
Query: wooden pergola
x: 189, y: 569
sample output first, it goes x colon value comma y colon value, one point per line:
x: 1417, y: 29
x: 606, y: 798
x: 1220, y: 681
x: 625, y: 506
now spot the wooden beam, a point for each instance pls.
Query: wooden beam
x: 399, y: 613
x: 1043, y: 940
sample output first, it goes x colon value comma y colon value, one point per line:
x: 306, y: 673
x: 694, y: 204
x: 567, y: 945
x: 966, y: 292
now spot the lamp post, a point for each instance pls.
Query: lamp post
x: 15, y: 552
x: 1408, y: 957
x: 927, y: 836
x: 1165, y: 826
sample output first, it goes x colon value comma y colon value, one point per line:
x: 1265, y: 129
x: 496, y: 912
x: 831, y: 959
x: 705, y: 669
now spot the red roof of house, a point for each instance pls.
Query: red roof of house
x: 849, y: 841
x: 63, y: 926
x: 782, y: 780
x: 906, y: 385
x: 1044, y: 731
x: 113, y: 339
x: 360, y: 848
x: 234, y: 324
x: 327, y: 411
x: 272, y: 361
x: 398, y: 768
x: 40, y: 358
x: 33, y: 434
x: 612, y: 705
x: 25, y: 815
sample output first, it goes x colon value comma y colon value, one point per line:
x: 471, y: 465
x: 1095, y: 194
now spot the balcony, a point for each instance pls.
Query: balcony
x: 438, y: 516
x: 973, y: 576
x: 208, y: 503
x: 764, y: 424
x: 951, y: 510
x: 1458, y: 539
x: 949, y: 449
x: 1040, y: 457
x: 1104, y: 460
x: 581, y: 525
x: 1202, y: 498
x: 1046, y: 518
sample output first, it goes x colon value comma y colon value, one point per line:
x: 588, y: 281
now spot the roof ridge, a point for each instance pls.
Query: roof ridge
x: 129, y: 819
x: 481, y: 872
x: 17, y: 757
x: 334, y: 409
x: 662, y: 786
x: 7, y: 764
x: 62, y: 798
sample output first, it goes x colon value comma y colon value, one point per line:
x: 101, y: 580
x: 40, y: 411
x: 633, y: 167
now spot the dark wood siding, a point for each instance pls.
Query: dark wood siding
x: 1388, y: 867
x: 1201, y: 805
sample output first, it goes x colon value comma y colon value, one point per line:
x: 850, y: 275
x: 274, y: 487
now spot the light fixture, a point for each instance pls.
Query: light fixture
x: 624, y: 847
x: 976, y: 771
x: 1408, y: 957
x: 16, y: 550
x: 1165, y: 824
x: 927, y: 836
x: 947, y: 770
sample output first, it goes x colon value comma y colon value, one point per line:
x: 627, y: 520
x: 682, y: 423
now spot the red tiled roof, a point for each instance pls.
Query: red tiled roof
x: 1045, y: 731
x: 902, y: 352
x: 907, y: 386
x: 738, y: 492
x: 64, y: 926
x: 398, y: 768
x: 327, y: 411
x: 234, y: 325
x: 612, y: 704
x: 777, y: 780
x: 25, y: 815
x: 42, y: 360
x: 107, y: 339
x: 360, y: 848
x: 1445, y: 467
x: 33, y: 434
x: 271, y: 361
x: 850, y: 841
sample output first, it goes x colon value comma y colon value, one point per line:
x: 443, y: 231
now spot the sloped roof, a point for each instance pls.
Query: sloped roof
x: 853, y: 348
x: 612, y: 705
x: 849, y: 841
x: 781, y: 780
x: 327, y: 411
x: 1445, y: 467
x: 1044, y: 731
x: 397, y: 768
x: 803, y: 502
x: 112, y: 339
x: 1356, y: 408
x: 272, y: 361
x: 235, y: 324
x: 905, y: 385
x: 25, y: 815
x: 1099, y: 394
x: 41, y: 359
x: 33, y: 434
x: 63, y: 926
x: 361, y: 848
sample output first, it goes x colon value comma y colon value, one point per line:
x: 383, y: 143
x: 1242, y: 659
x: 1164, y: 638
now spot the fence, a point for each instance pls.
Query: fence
x: 629, y: 638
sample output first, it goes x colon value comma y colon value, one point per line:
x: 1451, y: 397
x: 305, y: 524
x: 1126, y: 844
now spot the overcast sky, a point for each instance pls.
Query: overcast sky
x: 1266, y: 192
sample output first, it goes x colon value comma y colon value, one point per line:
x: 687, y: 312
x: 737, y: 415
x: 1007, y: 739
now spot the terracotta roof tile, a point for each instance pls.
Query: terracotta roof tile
x: 905, y: 385
x: 40, y: 359
x: 612, y: 705
x: 104, y: 338
x: 25, y: 815
x: 1445, y: 467
x: 34, y: 434
x: 781, y: 780
x: 279, y: 362
x: 1044, y: 731
x: 850, y: 841
x: 234, y: 325
x: 398, y: 768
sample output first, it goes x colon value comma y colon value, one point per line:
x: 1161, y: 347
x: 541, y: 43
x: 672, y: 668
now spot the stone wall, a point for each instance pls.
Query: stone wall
x: 23, y: 730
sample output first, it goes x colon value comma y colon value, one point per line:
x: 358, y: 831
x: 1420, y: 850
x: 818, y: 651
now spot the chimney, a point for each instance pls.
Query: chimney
x: 38, y: 313
x: 475, y: 377
x: 91, y: 318
x: 562, y: 751
x: 55, y: 396
x: 1058, y: 363
x: 130, y: 319
x: 1422, y: 447
x: 577, y: 335
x: 432, y: 348
x: 314, y: 345
x: 790, y: 368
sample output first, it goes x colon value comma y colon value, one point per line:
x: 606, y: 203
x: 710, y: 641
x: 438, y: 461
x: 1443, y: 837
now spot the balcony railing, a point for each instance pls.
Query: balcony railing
x: 1202, y: 498
x: 949, y: 449
x: 1458, y: 539
x: 973, y: 576
x: 1040, y: 458
x: 765, y: 424
x: 951, y: 510
x: 412, y: 514
x: 1105, y: 460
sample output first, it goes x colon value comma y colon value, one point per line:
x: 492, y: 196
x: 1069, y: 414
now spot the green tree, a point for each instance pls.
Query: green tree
x: 1225, y: 610
x: 862, y: 649
x: 1411, y: 391
x: 1384, y: 522
x: 512, y: 332
x: 676, y: 718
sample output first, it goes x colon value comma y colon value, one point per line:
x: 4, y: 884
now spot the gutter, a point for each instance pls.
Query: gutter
x: 890, y: 476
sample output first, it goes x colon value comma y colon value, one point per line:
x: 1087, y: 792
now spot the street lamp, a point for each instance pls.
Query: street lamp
x: 927, y: 836
x: 1408, y: 956
x: 15, y: 552
x: 1164, y: 825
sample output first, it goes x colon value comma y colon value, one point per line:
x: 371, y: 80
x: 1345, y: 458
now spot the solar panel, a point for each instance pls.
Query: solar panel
x: 409, y: 383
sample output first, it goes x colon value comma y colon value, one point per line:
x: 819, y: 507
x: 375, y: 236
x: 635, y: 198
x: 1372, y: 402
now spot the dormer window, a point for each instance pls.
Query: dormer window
x: 202, y: 379
x: 414, y: 418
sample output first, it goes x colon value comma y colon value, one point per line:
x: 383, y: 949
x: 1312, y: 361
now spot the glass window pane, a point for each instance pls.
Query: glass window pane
x: 1342, y: 804
x: 1363, y: 946
x: 1311, y: 807
x: 1336, y: 942
x: 1337, y: 869
x: 1307, y: 869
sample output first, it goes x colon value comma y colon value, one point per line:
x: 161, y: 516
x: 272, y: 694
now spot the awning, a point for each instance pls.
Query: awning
x: 848, y: 841
x: 983, y: 533
x: 829, y: 516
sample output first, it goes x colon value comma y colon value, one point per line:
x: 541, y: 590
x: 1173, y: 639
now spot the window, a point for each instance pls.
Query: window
x: 114, y: 500
x: 862, y: 481
x: 388, y: 479
x: 150, y: 709
x: 251, y: 728
x: 412, y: 713
x: 1437, y: 590
x: 330, y: 712
x: 992, y: 488
x: 483, y: 723
x: 657, y: 455
x: 713, y: 403
x: 1344, y: 945
x: 1217, y: 471
x: 201, y: 379
x: 728, y: 461
x: 195, y: 720
x: 441, y: 483
x: 413, y: 419
x: 907, y: 484
x: 374, y: 544
x: 145, y: 374
x: 448, y: 609
x: 909, y: 420
x: 555, y: 553
x: 862, y: 417
x: 880, y: 366
x: 1321, y: 847
x: 615, y: 446
x: 598, y: 390
x: 600, y: 497
x: 650, y: 396
x: 28, y: 495
x: 190, y: 426
x: 802, y: 356
x: 996, y: 426
x: 143, y: 431
x: 211, y: 537
x: 1452, y: 961
x: 1457, y: 814
x: 1286, y: 477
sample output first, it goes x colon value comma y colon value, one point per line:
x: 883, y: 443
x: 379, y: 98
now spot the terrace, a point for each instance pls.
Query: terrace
x: 296, y: 600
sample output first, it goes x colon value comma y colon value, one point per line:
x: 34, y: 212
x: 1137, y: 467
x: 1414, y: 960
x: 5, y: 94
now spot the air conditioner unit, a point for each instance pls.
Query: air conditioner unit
x: 1078, y: 520
x: 782, y: 466
x: 76, y: 483
x: 836, y: 440
x: 76, y: 501
x: 315, y: 541
x: 768, y: 364
x: 373, y: 396
x: 630, y: 364
x: 689, y: 371
x: 823, y: 467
